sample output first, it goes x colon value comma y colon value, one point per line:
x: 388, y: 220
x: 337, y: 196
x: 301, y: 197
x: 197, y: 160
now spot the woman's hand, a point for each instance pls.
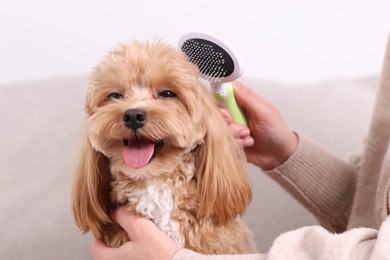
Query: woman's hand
x: 268, y: 141
x: 147, y: 241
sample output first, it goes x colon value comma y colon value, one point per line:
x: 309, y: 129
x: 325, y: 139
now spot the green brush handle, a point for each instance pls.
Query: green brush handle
x: 226, y: 97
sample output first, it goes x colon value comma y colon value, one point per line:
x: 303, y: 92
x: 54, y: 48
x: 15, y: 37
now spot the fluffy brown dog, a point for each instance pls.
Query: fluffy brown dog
x: 156, y: 142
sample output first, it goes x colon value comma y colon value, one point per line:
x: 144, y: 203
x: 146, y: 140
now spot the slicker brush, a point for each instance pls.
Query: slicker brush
x: 218, y: 63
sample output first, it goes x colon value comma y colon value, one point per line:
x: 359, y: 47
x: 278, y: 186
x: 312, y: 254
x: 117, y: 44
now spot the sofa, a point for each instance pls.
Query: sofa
x: 40, y: 132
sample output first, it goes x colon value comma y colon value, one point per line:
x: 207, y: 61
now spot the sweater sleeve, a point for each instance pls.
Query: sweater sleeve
x: 322, y: 183
x: 315, y: 242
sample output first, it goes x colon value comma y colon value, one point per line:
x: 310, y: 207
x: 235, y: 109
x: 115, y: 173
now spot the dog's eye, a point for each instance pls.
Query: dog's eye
x: 167, y: 94
x: 115, y: 95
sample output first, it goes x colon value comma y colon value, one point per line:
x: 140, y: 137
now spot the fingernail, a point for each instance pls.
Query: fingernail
x: 248, y: 142
x: 245, y: 132
x: 237, y: 84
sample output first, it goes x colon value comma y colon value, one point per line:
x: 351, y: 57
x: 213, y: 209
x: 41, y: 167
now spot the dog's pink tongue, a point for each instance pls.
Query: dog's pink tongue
x: 138, y: 154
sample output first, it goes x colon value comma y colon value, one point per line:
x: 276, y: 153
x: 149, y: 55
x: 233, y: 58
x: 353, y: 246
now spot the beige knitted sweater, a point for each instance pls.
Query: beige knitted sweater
x: 350, y: 200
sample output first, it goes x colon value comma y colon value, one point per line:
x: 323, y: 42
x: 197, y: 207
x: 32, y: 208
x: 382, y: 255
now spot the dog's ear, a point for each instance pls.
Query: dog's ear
x: 221, y: 174
x: 91, y: 190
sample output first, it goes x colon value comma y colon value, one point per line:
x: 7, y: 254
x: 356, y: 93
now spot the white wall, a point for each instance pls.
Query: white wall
x: 292, y: 41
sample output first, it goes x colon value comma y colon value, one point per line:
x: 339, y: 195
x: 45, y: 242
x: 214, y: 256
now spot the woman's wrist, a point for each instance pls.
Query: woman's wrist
x: 279, y: 156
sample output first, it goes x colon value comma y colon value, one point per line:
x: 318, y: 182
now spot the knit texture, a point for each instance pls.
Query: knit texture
x: 324, y: 184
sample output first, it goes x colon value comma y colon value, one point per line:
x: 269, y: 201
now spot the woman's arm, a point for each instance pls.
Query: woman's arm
x: 321, y: 182
x: 313, y: 242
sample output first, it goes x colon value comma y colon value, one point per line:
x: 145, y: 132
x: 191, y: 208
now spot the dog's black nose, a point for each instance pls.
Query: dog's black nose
x: 134, y: 118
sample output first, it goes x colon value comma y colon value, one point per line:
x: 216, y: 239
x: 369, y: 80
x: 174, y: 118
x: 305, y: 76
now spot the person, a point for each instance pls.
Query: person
x: 351, y: 200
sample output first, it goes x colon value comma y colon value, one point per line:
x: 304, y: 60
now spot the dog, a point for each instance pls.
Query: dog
x: 156, y: 142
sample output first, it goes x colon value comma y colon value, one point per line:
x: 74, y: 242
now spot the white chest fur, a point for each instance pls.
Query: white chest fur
x: 156, y: 202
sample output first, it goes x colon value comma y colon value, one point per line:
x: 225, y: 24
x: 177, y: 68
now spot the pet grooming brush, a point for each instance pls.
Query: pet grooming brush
x: 218, y: 63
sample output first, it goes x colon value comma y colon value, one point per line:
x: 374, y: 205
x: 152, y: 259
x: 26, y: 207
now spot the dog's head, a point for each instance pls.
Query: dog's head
x: 146, y: 109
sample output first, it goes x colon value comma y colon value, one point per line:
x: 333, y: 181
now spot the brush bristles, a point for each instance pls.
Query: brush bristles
x: 213, y: 62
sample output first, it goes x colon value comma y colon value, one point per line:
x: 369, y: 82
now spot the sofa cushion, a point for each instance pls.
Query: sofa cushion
x: 41, y: 129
